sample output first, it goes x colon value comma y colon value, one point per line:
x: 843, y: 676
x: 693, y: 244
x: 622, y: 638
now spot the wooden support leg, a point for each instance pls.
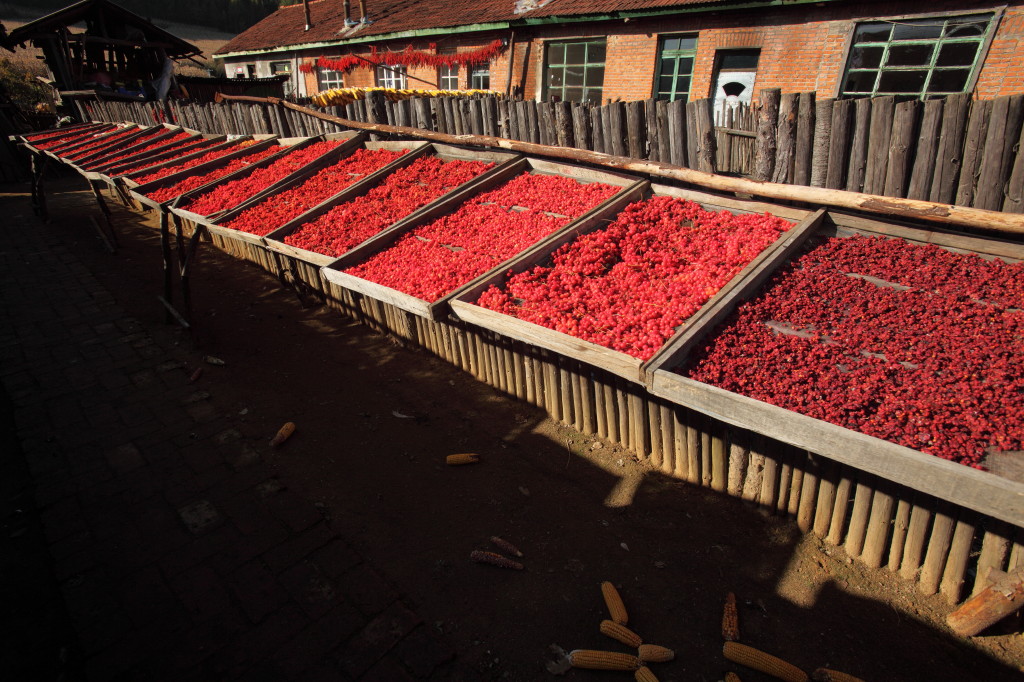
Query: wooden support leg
x: 185, y: 268
x: 38, y: 191
x: 105, y: 210
x: 165, y: 248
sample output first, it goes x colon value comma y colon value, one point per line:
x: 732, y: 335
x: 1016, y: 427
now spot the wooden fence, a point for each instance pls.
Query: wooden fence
x: 940, y: 546
x: 952, y: 150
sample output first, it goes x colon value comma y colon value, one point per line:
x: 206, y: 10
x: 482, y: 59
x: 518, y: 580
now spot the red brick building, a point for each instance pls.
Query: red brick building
x: 635, y: 49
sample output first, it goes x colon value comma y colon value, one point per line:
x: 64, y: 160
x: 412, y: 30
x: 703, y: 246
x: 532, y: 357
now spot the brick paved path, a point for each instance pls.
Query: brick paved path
x: 181, y: 555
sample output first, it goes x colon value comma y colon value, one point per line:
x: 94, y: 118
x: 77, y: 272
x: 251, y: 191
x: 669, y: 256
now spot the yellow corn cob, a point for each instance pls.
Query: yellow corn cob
x: 616, y: 608
x: 730, y: 620
x: 653, y: 653
x: 766, y: 663
x: 644, y: 674
x: 462, y: 458
x: 621, y: 633
x: 603, y: 660
x: 732, y: 677
x: 505, y: 546
x: 826, y: 675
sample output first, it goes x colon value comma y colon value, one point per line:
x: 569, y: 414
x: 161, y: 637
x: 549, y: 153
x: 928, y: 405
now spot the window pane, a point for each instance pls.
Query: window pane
x: 556, y: 53
x: 917, y: 30
x: 670, y: 44
x: 575, y: 53
x: 573, y: 94
x: 683, y: 87
x: 574, y: 76
x: 957, y: 54
x: 949, y: 80
x: 685, y: 65
x: 595, y: 77
x: 963, y: 27
x: 910, y: 55
x: 902, y: 81
x: 594, y: 95
x: 555, y: 77
x: 738, y: 59
x: 872, y: 33
x: 860, y: 81
x: 688, y: 43
x: 866, y: 57
x: 665, y: 84
x: 595, y: 52
x: 668, y: 67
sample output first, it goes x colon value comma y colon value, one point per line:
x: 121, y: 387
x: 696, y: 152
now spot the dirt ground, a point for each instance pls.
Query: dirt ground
x: 375, y: 422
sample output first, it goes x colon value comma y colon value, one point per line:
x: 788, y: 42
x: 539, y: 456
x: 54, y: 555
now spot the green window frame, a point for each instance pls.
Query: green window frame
x: 574, y: 70
x: 480, y: 77
x: 329, y: 79
x: 676, y: 54
x: 923, y: 58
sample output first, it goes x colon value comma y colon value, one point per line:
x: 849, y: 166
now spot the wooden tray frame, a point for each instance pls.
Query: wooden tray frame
x: 980, y: 491
x: 436, y: 310
x: 616, y: 362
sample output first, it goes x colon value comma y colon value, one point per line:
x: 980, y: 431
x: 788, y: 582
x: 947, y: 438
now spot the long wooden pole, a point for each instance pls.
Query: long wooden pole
x: 959, y: 216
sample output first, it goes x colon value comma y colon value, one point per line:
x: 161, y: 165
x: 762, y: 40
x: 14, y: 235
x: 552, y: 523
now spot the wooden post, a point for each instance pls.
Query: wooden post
x: 839, y: 144
x: 822, y: 142
x: 924, y: 157
x: 765, y: 144
x: 882, y: 109
x: 677, y: 134
x: 1014, y: 202
x: 652, y: 132
x: 581, y: 127
x: 564, y: 124
x: 956, y: 563
x: 938, y: 549
x: 805, y: 139
x: 636, y: 130
x: 786, y: 136
x: 704, y: 113
x: 974, y: 146
x: 997, y: 161
x: 901, y: 143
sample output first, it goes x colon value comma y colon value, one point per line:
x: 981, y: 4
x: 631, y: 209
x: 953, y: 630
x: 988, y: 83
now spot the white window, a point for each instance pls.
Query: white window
x: 328, y: 79
x: 448, y: 77
x: 391, y: 77
x: 480, y: 77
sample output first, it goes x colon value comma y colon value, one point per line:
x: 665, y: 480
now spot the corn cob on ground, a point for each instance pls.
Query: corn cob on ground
x: 482, y: 557
x: 620, y: 633
x: 505, y: 546
x: 616, y: 607
x: 732, y: 677
x: 654, y: 653
x: 462, y: 458
x: 603, y: 660
x: 644, y: 674
x: 766, y: 663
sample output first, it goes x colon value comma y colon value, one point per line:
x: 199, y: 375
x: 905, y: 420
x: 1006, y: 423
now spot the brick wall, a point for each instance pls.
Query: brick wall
x: 802, y: 48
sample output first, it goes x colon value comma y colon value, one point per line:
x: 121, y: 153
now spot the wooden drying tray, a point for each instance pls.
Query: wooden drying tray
x: 980, y: 491
x: 616, y: 362
x: 219, y: 226
x: 351, y: 141
x: 435, y: 310
x: 275, y: 240
x: 139, y: 192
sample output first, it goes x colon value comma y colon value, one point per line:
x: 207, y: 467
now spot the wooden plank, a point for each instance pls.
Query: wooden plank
x: 797, y: 462
x: 997, y: 161
x: 676, y: 116
x: 995, y: 549
x: 667, y: 421
x: 949, y: 155
x: 924, y: 155
x: 622, y: 412
x: 901, y: 144
x: 657, y: 455
x: 877, y: 534
x: 638, y: 436
x: 974, y: 144
x: 706, y: 455
x: 952, y: 583
x: 753, y: 482
x: 661, y: 111
x: 859, y: 515
x: 597, y: 130
x: 563, y: 124
x: 766, y: 144
x: 785, y: 135
x: 705, y: 127
x: 917, y: 534
x: 900, y: 527
x: 1014, y: 202
x: 636, y: 130
x: 719, y: 460
x: 681, y: 432
x: 739, y: 458
x: 826, y: 498
x: 839, y: 144
x: 533, y: 124
x: 611, y: 414
x: 770, y: 476
x: 822, y: 142
x: 938, y: 549
x: 581, y: 127
x: 805, y: 512
x: 546, y: 116
x: 692, y: 135
x: 882, y: 112
x: 651, y: 120
x: 615, y: 136
x: 598, y: 388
